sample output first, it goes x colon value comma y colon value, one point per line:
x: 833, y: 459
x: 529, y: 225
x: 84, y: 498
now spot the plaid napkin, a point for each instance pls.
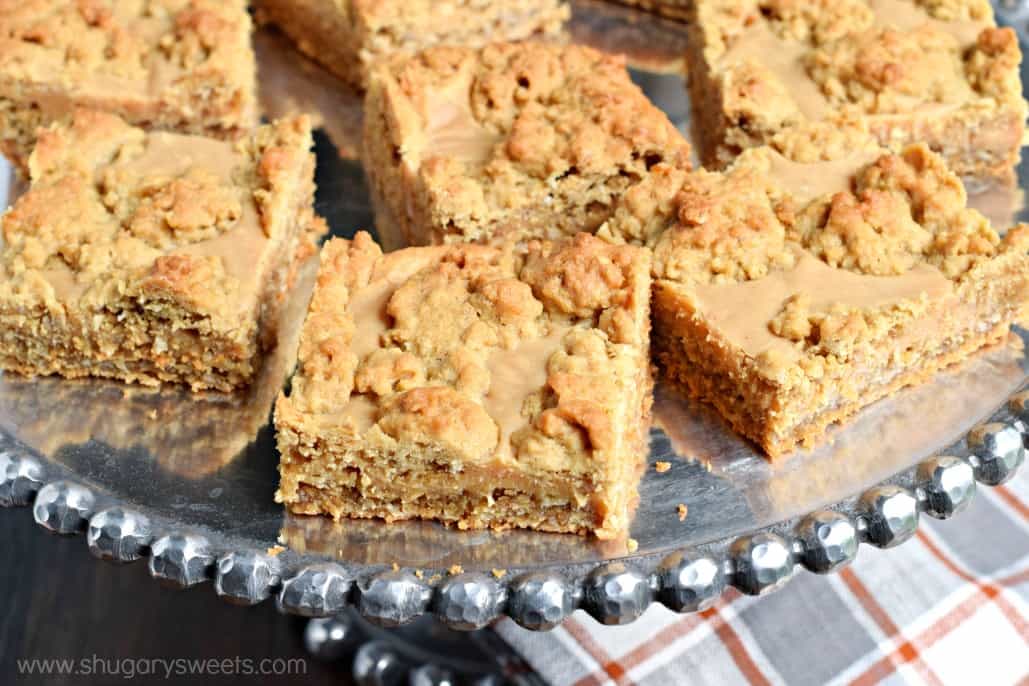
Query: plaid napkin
x: 950, y: 606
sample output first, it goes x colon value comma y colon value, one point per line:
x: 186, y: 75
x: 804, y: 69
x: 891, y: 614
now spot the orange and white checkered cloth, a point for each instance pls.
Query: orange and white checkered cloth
x: 950, y: 606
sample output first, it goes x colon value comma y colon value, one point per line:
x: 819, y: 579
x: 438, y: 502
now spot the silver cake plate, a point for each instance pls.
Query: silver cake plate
x: 186, y: 481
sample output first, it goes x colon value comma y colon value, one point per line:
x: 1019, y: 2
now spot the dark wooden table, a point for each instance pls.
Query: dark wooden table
x: 57, y: 601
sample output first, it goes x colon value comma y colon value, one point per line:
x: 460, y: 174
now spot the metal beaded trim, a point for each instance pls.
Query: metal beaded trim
x: 613, y: 592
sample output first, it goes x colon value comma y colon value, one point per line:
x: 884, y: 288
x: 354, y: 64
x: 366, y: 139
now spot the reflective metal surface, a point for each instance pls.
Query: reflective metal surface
x: 192, y: 476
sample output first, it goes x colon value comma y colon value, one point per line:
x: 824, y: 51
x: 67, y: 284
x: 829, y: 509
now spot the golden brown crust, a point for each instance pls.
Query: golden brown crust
x: 935, y: 72
x: 153, y: 231
x: 511, y: 140
x: 791, y: 310
x: 183, y: 65
x: 407, y: 356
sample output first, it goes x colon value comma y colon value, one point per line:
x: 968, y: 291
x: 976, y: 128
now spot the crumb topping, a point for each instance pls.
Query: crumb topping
x: 176, y: 50
x: 417, y: 341
x: 900, y: 211
x: 495, y: 131
x: 112, y: 210
x: 900, y: 216
x: 852, y: 56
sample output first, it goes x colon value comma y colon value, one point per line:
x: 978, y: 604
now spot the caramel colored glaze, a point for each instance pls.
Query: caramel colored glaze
x: 785, y: 58
x: 514, y: 376
x: 242, y: 248
x: 741, y: 311
x: 453, y: 132
x: 807, y: 182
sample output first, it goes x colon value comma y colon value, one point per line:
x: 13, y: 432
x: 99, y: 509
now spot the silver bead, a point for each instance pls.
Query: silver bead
x: 949, y: 485
x: 180, y: 560
x: 118, y: 535
x: 762, y: 563
x: 392, y: 598
x: 891, y: 515
x: 997, y: 452
x: 430, y: 675
x: 21, y: 477
x: 63, y: 507
x: 376, y: 665
x: 319, y: 590
x: 468, y: 601
x: 540, y: 601
x: 830, y: 541
x: 328, y: 638
x: 615, y: 594
x: 689, y: 583
x: 246, y: 577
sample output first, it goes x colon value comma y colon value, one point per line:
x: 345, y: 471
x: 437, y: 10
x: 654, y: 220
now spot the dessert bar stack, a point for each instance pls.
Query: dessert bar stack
x: 495, y: 368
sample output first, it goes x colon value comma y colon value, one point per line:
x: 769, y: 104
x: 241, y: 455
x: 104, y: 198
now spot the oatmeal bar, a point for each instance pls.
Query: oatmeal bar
x: 480, y: 386
x: 350, y: 37
x: 184, y: 433
x: 932, y: 71
x: 154, y: 256
x: 509, y: 141
x: 177, y: 65
x: 808, y: 281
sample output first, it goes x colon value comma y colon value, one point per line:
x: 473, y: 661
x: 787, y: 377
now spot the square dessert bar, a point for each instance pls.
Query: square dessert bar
x: 814, y: 277
x: 350, y: 37
x: 927, y: 71
x: 154, y: 257
x: 178, y: 65
x: 509, y: 141
x: 480, y: 386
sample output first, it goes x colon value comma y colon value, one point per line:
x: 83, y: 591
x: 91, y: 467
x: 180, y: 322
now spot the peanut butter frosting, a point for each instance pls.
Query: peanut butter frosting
x: 114, y: 212
x: 794, y: 272
x: 816, y: 58
x: 484, y: 138
x: 515, y: 358
x: 178, y: 54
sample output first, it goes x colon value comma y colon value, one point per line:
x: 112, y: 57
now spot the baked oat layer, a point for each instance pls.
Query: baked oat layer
x: 155, y: 256
x: 821, y: 273
x: 179, y: 65
x: 510, y: 141
x: 915, y: 70
x: 350, y: 37
x: 480, y: 386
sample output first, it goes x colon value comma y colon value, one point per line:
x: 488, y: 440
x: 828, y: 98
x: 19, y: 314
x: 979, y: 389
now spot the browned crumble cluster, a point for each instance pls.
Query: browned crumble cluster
x: 481, y: 386
x: 351, y: 37
x: 941, y: 73
x: 178, y: 65
x: 154, y: 256
x: 511, y: 141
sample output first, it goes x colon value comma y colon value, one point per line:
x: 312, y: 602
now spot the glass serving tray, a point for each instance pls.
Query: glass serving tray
x: 188, y: 480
